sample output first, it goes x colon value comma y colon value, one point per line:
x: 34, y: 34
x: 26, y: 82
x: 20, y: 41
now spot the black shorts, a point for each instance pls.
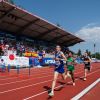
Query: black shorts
x: 87, y: 67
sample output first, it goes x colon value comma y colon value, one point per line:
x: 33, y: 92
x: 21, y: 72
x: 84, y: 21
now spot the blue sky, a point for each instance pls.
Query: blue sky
x: 81, y: 17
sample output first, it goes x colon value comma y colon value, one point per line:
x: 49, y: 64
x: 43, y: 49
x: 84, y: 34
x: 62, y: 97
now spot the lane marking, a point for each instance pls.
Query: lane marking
x: 27, y: 86
x: 36, y: 72
x: 30, y: 75
x: 20, y: 76
x: 78, y: 96
x: 29, y: 79
x: 23, y: 80
x: 55, y: 88
x: 23, y: 75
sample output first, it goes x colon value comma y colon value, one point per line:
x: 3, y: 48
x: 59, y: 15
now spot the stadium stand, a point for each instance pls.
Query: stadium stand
x: 25, y: 34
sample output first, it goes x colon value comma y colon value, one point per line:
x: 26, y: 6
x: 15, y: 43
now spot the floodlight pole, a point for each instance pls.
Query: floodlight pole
x: 95, y: 50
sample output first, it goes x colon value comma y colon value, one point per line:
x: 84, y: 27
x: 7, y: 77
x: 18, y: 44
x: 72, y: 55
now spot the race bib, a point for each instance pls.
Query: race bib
x: 69, y: 63
x: 86, y: 62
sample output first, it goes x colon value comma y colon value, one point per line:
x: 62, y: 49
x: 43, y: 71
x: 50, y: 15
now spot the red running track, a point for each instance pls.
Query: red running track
x: 36, y: 86
x: 93, y: 94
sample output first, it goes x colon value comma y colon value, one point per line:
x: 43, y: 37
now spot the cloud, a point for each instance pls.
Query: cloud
x: 90, y: 33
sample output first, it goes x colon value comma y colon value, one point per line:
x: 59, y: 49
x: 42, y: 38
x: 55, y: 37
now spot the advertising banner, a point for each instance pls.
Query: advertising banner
x: 47, y: 61
x: 34, y: 61
x: 30, y: 54
x: 14, y: 60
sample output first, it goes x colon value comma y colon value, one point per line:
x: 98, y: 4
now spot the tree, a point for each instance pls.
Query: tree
x: 79, y: 53
x: 97, y: 55
x: 87, y: 51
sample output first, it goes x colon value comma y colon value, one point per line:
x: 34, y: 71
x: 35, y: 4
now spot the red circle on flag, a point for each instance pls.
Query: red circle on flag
x: 11, y: 57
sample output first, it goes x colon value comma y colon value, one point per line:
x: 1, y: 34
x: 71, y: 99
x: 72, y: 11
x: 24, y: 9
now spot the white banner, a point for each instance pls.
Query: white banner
x: 21, y: 61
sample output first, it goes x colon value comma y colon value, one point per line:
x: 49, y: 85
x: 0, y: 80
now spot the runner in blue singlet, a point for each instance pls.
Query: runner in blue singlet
x: 59, y: 67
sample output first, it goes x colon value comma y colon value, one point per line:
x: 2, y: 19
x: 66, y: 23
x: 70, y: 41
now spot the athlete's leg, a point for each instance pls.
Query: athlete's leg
x: 85, y: 74
x: 54, y: 83
x: 72, y: 76
x: 89, y: 68
x: 64, y: 76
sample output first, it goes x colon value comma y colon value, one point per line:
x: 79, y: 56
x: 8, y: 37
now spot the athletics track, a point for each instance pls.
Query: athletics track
x: 21, y: 86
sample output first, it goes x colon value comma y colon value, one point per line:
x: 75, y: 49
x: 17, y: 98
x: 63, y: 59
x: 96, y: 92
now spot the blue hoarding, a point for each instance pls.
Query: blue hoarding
x: 47, y: 61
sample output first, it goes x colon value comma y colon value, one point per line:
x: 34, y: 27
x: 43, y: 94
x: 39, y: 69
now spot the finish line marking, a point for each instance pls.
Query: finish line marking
x: 78, y: 96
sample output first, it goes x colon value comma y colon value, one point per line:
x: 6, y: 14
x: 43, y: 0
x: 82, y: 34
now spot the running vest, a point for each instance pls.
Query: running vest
x: 70, y: 61
x: 58, y: 55
x: 86, y: 60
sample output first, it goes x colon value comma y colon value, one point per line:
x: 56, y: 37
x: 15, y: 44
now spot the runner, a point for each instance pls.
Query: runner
x: 70, y: 67
x: 59, y: 67
x: 87, y: 64
x: 66, y: 71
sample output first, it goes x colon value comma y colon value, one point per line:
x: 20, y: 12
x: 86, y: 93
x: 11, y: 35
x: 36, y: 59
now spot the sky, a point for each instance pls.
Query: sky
x: 80, y: 17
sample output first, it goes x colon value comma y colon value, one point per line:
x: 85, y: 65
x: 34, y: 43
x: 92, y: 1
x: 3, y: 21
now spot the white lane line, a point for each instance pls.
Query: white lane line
x: 28, y: 79
x: 36, y: 71
x: 9, y: 78
x: 25, y: 74
x: 78, y: 96
x: 55, y: 88
x: 27, y: 86
x: 30, y: 75
x: 24, y: 87
x: 24, y: 80
x: 33, y: 71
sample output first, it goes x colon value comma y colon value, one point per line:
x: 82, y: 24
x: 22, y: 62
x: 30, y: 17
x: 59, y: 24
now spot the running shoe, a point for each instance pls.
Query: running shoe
x: 84, y: 79
x: 73, y: 84
x: 68, y: 75
x: 51, y: 94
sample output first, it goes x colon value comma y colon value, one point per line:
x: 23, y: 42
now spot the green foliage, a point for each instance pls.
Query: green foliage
x: 97, y: 55
x: 88, y: 52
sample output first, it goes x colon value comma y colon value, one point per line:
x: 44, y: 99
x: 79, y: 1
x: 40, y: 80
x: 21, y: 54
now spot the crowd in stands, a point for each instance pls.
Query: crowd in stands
x: 21, y: 44
x: 20, y: 47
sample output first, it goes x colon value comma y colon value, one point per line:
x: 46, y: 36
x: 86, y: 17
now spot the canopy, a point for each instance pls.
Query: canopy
x: 20, y: 22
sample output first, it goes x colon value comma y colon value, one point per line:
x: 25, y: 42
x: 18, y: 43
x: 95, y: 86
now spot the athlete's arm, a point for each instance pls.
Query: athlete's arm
x: 57, y: 59
x: 89, y: 59
x: 74, y: 62
x: 64, y: 57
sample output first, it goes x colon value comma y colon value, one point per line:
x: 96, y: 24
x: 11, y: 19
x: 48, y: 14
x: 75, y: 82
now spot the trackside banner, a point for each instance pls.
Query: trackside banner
x: 47, y: 61
x: 34, y: 61
x: 14, y: 60
x: 25, y: 61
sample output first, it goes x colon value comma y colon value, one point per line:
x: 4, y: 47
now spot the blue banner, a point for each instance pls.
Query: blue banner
x: 34, y: 61
x: 47, y: 61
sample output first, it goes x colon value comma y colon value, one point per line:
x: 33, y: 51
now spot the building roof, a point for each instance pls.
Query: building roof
x: 19, y: 21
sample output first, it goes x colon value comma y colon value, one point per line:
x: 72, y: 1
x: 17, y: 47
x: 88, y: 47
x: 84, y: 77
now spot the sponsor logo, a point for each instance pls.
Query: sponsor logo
x: 49, y: 61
